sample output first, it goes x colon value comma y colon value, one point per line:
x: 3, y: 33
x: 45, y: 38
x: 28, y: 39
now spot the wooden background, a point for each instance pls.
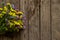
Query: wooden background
x: 43, y: 20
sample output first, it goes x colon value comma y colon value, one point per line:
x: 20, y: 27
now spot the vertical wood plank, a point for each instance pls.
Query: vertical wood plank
x: 23, y: 35
x: 55, y: 4
x: 45, y: 20
x: 23, y: 7
x: 33, y: 20
x: 39, y: 19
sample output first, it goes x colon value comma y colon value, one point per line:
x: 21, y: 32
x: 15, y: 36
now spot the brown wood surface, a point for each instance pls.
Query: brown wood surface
x: 55, y: 8
x: 33, y: 20
x: 45, y: 20
x: 42, y: 20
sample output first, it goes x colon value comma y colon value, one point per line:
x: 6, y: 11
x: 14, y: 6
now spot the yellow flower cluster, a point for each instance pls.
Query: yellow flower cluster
x: 10, y: 16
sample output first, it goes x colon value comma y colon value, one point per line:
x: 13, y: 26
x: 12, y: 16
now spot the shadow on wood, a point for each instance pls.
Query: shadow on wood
x: 12, y: 34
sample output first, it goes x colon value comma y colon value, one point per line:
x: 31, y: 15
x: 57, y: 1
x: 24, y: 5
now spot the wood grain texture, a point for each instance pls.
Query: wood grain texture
x: 33, y: 20
x: 45, y: 20
x: 55, y: 7
x: 24, y: 33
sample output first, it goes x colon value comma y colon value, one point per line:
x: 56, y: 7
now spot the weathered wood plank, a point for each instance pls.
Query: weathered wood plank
x: 23, y: 7
x: 45, y: 20
x: 33, y: 20
x: 23, y: 35
x: 55, y: 4
x: 39, y: 4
